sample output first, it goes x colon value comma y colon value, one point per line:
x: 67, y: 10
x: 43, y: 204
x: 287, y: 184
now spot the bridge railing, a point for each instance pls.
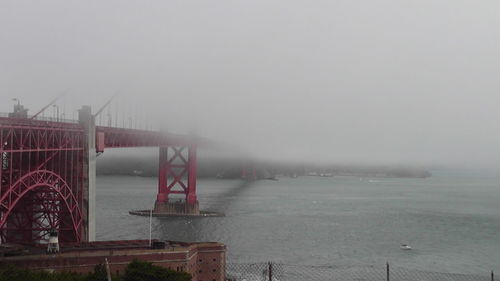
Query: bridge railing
x: 98, y: 122
x: 44, y: 118
x: 127, y: 124
x: 53, y: 119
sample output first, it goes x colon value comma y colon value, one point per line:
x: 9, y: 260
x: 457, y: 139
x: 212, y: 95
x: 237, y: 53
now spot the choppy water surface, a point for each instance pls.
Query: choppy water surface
x: 452, y: 220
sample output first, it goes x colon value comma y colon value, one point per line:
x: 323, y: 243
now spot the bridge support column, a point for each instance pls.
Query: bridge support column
x: 177, y: 181
x: 248, y: 172
x: 89, y: 178
x: 191, y: 198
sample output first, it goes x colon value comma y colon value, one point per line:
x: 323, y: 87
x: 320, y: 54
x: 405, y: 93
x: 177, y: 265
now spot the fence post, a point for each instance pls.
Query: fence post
x: 108, y: 271
x: 270, y: 271
x: 387, y: 269
x: 492, y: 276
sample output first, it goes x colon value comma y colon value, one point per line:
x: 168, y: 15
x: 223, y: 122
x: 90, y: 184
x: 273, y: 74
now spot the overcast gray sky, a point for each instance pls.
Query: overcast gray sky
x: 382, y: 81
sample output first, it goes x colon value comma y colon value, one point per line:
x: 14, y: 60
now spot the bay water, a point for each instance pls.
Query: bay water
x: 451, y: 220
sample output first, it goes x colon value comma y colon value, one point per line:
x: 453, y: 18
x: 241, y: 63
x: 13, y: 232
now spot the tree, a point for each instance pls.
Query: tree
x: 99, y: 274
x: 11, y: 273
x: 146, y: 271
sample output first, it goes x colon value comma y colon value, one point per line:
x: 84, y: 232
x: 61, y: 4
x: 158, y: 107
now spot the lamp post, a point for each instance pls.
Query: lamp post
x: 110, y: 120
x: 56, y: 112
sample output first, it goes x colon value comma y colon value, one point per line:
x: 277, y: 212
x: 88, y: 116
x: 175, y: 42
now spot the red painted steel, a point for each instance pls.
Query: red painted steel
x: 177, y: 173
x: 43, y: 174
x: 191, y: 190
x: 122, y: 138
x: 42, y: 180
x: 99, y: 143
x: 55, y: 203
x: 248, y: 172
x: 177, y: 161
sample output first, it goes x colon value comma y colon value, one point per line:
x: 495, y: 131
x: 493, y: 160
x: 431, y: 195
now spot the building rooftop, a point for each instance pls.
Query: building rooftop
x: 109, y: 248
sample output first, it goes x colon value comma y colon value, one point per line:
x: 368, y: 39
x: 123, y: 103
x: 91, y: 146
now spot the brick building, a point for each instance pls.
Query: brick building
x: 204, y: 261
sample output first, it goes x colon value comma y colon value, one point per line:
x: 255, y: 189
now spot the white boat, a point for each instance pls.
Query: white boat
x: 405, y: 247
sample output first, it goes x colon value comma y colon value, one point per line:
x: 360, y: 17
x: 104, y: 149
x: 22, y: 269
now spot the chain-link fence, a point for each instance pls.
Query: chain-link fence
x: 254, y: 272
x: 289, y: 272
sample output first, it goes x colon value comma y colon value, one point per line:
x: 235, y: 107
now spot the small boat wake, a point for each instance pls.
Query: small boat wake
x: 405, y: 247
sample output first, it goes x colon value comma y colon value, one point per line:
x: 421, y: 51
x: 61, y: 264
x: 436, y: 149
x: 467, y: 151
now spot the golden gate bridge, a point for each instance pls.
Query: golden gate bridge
x: 48, y: 173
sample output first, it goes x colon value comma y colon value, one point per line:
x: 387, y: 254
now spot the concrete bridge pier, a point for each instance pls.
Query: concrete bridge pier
x: 86, y: 119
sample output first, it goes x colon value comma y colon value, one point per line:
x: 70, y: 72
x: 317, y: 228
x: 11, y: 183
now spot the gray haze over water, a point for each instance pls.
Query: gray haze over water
x: 451, y: 220
x: 340, y: 81
x: 345, y: 81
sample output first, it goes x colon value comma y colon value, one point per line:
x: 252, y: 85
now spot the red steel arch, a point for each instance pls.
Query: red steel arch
x: 47, y: 182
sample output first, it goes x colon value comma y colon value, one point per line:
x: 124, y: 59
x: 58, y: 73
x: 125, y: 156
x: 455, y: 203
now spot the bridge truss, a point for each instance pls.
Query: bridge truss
x: 47, y: 176
x: 43, y: 179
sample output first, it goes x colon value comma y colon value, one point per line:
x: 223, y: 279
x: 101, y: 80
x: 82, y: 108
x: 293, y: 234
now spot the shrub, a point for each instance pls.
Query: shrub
x: 135, y: 271
x: 11, y: 273
x: 146, y: 271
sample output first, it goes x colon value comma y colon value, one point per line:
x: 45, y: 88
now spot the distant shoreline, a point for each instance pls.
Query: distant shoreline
x: 231, y: 169
x: 422, y: 174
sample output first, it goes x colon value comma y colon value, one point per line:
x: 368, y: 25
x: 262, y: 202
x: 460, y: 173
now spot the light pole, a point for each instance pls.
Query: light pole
x: 109, y: 120
x: 56, y: 112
